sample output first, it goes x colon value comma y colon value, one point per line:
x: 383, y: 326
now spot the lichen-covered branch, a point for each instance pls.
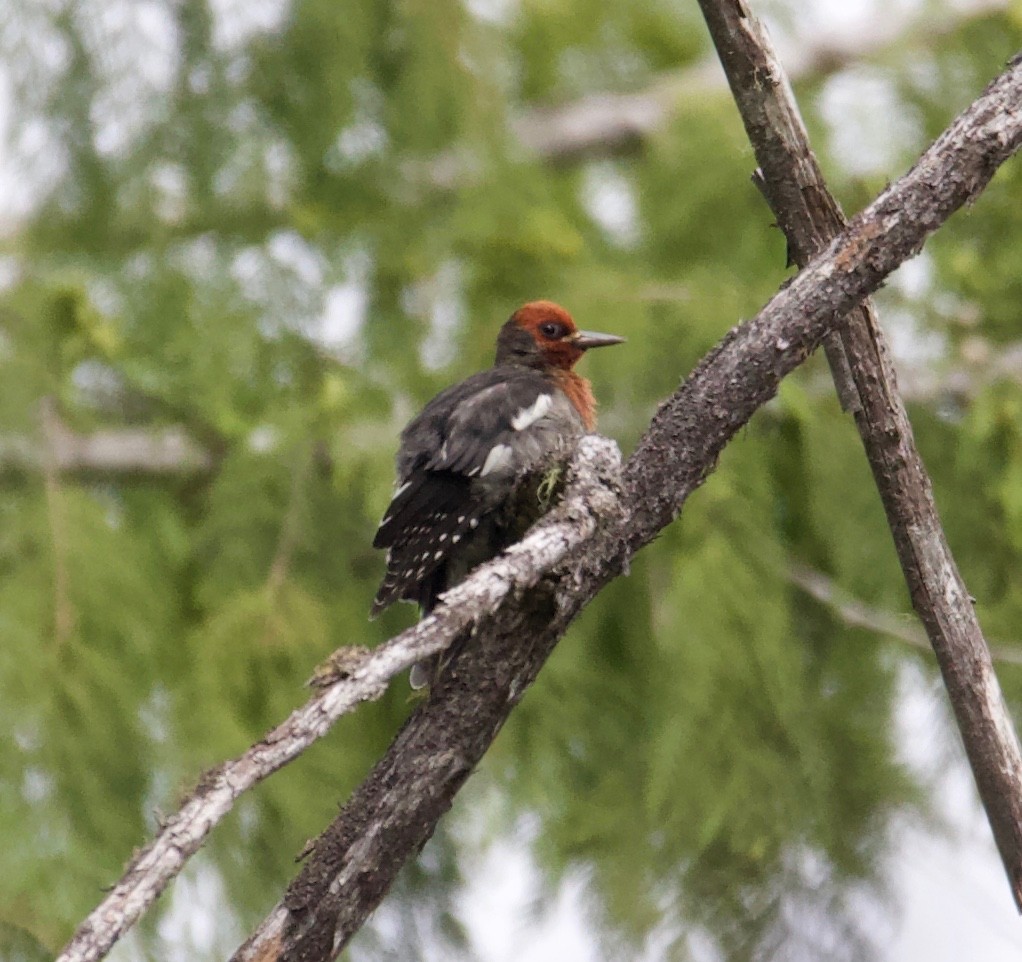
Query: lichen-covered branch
x: 352, y: 676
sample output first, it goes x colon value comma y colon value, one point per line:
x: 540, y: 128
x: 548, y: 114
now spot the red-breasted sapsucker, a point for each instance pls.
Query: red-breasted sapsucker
x: 476, y: 467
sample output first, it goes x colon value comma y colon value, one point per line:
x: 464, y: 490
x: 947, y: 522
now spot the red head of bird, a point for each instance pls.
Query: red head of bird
x: 542, y: 335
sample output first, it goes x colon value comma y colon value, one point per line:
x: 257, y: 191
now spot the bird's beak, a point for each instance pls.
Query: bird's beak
x: 588, y: 339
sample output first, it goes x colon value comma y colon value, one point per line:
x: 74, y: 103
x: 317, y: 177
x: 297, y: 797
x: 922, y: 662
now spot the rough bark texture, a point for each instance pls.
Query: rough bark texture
x: 792, y: 182
x: 393, y: 813
x: 352, y: 676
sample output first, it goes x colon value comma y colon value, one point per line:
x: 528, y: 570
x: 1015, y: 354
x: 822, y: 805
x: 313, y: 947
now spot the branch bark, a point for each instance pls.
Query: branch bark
x: 396, y: 809
x: 354, y: 675
x: 793, y: 184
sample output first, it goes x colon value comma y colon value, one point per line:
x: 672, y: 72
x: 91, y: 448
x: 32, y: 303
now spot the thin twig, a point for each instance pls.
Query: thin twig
x: 855, y: 613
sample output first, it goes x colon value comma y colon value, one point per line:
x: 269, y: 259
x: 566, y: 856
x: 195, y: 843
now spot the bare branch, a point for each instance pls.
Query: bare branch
x: 590, y: 497
x: 857, y: 614
x: 607, y: 123
x: 810, y: 217
x: 396, y: 809
x: 142, y: 451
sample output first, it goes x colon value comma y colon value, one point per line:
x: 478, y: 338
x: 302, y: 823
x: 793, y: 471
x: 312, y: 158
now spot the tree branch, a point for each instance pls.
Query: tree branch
x: 793, y: 184
x: 132, y: 451
x: 395, y: 810
x: 606, y: 123
x: 857, y: 614
x: 350, y: 677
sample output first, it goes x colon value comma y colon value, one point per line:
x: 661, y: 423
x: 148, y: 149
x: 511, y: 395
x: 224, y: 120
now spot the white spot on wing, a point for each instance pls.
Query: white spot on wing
x: 498, y: 459
x: 530, y: 415
x: 404, y: 487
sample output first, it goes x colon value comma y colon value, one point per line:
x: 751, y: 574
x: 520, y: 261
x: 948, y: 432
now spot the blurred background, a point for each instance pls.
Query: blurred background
x: 242, y: 241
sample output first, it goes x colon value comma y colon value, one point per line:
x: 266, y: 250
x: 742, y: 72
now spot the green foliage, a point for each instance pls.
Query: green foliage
x: 212, y: 198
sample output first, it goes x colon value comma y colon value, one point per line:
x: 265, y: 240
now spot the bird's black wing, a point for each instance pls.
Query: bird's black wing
x: 458, y: 459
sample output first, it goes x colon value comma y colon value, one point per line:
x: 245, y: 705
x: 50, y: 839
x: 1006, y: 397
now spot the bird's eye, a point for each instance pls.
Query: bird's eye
x: 552, y: 330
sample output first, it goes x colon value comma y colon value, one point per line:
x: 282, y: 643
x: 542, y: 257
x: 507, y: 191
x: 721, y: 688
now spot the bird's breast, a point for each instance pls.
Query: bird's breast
x: 580, y: 393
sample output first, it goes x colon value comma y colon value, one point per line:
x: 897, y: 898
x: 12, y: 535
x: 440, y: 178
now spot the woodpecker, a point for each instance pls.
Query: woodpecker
x: 474, y: 467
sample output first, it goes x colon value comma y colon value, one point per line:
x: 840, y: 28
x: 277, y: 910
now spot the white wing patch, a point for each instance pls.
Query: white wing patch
x: 498, y: 459
x: 530, y: 415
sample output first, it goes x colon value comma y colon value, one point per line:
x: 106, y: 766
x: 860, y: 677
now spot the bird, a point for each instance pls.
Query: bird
x: 481, y: 462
